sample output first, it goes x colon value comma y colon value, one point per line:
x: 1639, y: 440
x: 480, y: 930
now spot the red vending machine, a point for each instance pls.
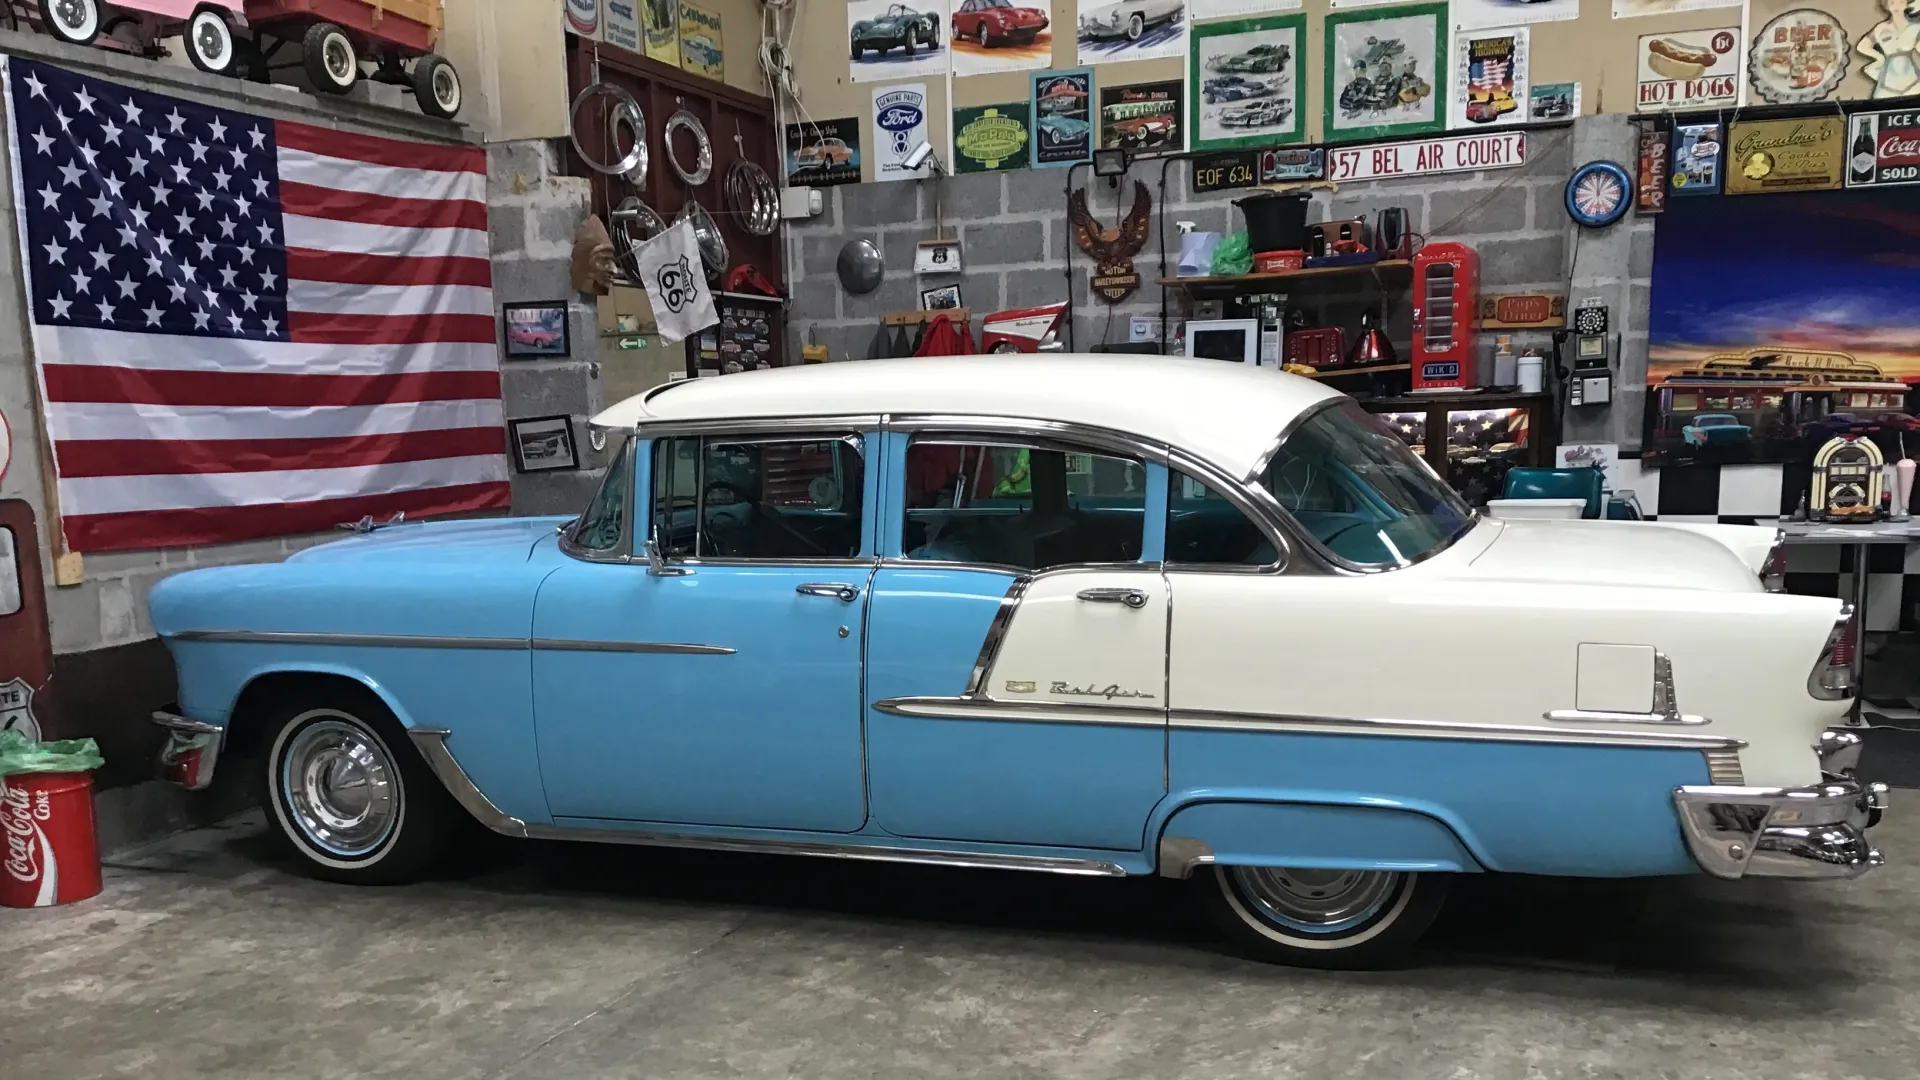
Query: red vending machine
x: 1446, y: 279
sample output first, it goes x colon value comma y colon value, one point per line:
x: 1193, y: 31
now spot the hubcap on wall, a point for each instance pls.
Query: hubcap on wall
x: 1315, y: 901
x: 340, y: 788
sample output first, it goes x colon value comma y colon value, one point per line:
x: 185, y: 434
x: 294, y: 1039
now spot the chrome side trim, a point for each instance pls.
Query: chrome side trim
x: 997, y: 632
x: 1021, y: 712
x: 669, y: 647
x: 799, y: 427
x: 391, y: 641
x: 432, y: 744
x: 1211, y: 720
x: 1180, y: 855
x: 1588, y: 716
x: 1724, y: 769
x: 175, y: 722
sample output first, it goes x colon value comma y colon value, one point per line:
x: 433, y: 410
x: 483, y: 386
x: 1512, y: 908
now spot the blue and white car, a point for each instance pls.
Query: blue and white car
x: 1100, y: 615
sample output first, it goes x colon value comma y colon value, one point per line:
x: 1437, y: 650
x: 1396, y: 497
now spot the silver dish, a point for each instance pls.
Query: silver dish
x: 713, y: 249
x: 625, y: 111
x: 703, y: 167
x: 750, y: 194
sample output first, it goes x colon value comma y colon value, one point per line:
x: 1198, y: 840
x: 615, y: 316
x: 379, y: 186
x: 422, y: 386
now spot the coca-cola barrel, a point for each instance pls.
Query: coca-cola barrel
x: 52, y: 854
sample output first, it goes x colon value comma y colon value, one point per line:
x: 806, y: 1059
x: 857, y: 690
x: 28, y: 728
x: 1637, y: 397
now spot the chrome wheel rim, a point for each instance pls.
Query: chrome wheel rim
x: 339, y: 59
x: 78, y: 17
x: 340, y: 787
x: 1315, y: 901
x: 211, y: 39
x: 446, y: 87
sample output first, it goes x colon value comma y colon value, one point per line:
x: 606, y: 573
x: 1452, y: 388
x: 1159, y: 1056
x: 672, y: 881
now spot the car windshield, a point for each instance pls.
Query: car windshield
x: 1357, y: 489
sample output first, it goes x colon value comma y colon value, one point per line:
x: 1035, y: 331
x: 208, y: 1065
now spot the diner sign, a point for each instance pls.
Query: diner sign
x: 1427, y: 157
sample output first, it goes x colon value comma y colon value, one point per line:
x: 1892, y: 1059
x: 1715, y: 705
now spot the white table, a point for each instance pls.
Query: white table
x: 1861, y: 539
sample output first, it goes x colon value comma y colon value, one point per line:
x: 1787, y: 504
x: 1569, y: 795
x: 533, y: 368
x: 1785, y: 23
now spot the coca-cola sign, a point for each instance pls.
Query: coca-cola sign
x: 1883, y: 149
x: 28, y: 853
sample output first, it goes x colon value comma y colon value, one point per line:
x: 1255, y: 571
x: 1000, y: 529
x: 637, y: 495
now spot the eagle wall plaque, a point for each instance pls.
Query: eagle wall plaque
x: 1114, y: 278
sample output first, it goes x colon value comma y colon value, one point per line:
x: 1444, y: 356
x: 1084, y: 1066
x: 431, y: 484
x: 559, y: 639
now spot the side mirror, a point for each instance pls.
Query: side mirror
x: 657, y: 564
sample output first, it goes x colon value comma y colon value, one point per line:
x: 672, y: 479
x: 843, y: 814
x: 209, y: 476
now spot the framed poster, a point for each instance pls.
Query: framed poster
x: 992, y: 138
x: 1479, y: 14
x: 899, y: 127
x: 889, y: 40
x: 543, y: 444
x: 823, y: 152
x: 1062, y: 117
x: 1115, y: 30
x: 700, y: 52
x: 1149, y: 118
x: 536, y: 329
x: 1489, y: 78
x: 1385, y: 72
x: 1000, y: 35
x: 1246, y: 83
x: 661, y: 35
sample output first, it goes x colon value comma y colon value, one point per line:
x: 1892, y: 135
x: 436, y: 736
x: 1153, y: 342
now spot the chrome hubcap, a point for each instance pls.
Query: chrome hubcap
x: 75, y: 15
x: 446, y: 90
x: 339, y: 56
x: 1315, y: 901
x: 340, y: 787
x: 212, y: 39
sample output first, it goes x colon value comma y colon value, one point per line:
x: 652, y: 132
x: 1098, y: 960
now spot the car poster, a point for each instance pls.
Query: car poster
x: 1001, y: 35
x: 1690, y: 69
x: 992, y: 138
x: 661, y: 37
x: 899, y: 127
x: 1489, y: 78
x: 1553, y: 101
x: 1150, y: 118
x: 1628, y: 9
x: 1115, y: 30
x: 1246, y: 84
x: 823, y: 152
x: 1385, y: 72
x: 700, y: 40
x: 1062, y: 117
x: 1480, y: 14
x: 889, y: 40
x: 1227, y: 9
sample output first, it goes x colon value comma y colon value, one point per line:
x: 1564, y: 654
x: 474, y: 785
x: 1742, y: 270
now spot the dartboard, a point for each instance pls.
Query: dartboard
x: 1597, y: 194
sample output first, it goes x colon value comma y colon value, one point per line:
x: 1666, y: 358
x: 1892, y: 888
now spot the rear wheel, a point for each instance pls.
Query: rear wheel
x: 76, y: 22
x: 436, y: 86
x: 1321, y: 918
x: 351, y: 797
x: 331, y: 62
x: 983, y: 35
x: 210, y: 44
x: 1136, y: 25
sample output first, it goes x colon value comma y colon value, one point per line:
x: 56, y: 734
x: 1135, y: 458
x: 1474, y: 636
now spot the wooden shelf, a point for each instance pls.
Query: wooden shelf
x: 1373, y: 369
x: 1248, y: 281
x: 960, y: 316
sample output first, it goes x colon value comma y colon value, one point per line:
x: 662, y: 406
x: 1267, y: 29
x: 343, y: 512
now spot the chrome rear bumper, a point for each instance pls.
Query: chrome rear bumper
x: 191, y: 750
x: 1810, y: 832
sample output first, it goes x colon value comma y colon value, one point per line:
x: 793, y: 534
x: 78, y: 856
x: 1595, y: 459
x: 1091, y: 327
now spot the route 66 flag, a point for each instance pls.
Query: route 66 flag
x: 675, y: 281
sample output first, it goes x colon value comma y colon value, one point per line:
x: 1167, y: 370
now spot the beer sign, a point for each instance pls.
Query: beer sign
x: 1690, y: 69
x: 1883, y: 149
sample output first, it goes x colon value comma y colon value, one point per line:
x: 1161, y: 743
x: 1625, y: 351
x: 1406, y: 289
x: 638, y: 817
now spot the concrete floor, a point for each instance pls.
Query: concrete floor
x: 207, y: 957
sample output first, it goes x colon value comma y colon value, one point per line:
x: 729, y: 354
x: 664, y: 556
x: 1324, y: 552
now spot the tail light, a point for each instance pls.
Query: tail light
x: 1832, y: 678
x: 1773, y: 573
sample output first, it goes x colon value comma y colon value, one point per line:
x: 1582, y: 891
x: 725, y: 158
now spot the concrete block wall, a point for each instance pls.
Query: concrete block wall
x: 1017, y: 243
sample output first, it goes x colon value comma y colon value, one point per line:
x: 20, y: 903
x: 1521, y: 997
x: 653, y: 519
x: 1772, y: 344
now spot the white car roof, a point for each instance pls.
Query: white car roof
x: 1227, y: 414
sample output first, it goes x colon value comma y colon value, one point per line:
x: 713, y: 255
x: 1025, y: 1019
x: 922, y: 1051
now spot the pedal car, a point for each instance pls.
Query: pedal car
x: 336, y: 37
x: 135, y: 26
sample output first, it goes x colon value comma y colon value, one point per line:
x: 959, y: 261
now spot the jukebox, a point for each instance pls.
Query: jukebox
x: 1847, y: 481
x: 1446, y: 280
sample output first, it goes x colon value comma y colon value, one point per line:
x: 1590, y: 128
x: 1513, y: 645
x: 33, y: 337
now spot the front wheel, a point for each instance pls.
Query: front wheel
x: 76, y: 22
x: 1321, y: 918
x: 1136, y: 25
x: 210, y: 44
x: 331, y: 62
x: 356, y: 802
x: 436, y: 86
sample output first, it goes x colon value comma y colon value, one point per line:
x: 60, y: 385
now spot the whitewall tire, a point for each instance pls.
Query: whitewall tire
x: 350, y: 795
x: 210, y: 44
x: 331, y: 62
x: 76, y: 22
x: 1321, y: 918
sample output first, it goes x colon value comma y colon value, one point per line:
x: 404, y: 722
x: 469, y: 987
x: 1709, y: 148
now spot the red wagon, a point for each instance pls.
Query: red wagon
x: 338, y: 37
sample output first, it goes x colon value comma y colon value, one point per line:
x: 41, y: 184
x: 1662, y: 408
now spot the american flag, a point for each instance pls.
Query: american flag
x: 1490, y: 74
x: 247, y: 327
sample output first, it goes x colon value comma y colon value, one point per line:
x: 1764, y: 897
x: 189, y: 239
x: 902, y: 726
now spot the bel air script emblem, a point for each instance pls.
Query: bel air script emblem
x: 1109, y: 691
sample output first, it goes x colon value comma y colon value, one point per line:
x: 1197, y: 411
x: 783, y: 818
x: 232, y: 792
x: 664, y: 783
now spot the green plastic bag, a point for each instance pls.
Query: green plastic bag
x: 1233, y: 256
x: 19, y: 754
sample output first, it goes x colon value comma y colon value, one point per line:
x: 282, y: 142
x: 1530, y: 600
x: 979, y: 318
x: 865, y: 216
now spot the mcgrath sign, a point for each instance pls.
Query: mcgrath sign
x: 1427, y: 157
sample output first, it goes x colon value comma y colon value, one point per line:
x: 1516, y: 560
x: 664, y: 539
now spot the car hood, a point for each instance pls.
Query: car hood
x: 486, y: 540
x: 1639, y: 554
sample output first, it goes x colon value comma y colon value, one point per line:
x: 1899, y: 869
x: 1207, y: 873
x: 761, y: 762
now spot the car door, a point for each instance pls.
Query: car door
x: 1017, y: 642
x: 720, y: 684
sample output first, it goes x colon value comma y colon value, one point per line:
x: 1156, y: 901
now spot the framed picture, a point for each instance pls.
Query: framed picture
x: 944, y: 298
x: 1386, y: 72
x: 543, y: 444
x: 1247, y: 85
x: 536, y: 329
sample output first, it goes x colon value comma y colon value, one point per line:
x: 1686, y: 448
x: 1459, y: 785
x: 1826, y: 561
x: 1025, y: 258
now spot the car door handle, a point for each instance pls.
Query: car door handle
x: 837, y: 589
x: 1133, y: 598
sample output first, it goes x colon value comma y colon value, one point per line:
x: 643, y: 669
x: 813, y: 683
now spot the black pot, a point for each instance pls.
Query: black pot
x: 1275, y: 222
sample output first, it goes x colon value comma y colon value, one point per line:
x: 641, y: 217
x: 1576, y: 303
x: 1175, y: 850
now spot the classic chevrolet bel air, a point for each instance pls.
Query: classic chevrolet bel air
x: 1084, y: 615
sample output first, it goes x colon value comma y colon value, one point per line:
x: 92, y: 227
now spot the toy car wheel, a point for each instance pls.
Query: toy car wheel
x: 1136, y: 25
x: 1321, y: 918
x: 982, y: 35
x: 331, y: 61
x: 210, y: 44
x: 857, y: 51
x: 436, y: 86
x: 76, y: 22
x: 356, y: 802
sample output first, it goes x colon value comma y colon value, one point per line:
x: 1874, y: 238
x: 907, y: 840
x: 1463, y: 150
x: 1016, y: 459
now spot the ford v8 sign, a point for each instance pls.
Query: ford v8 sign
x: 900, y: 116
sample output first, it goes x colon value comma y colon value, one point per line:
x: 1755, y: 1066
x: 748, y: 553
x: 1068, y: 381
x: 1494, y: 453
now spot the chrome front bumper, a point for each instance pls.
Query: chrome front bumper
x: 192, y: 748
x: 1809, y: 832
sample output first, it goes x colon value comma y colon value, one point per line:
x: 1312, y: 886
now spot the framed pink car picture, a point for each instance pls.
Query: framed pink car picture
x: 534, y: 330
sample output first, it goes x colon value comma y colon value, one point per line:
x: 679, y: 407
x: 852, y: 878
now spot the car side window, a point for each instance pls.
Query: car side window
x: 1024, y: 504
x: 1205, y: 528
x: 716, y: 497
x: 601, y: 527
